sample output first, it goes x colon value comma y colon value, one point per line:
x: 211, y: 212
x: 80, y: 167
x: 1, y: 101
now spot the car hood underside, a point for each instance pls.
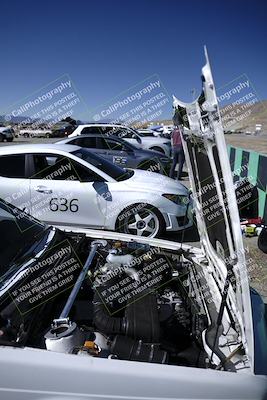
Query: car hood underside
x: 214, y: 200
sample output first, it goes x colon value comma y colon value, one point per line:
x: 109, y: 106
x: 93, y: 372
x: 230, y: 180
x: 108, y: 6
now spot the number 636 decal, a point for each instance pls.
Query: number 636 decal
x: 63, y: 204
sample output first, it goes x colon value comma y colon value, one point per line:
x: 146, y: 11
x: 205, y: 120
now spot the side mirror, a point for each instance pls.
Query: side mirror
x: 137, y: 137
x: 102, y: 190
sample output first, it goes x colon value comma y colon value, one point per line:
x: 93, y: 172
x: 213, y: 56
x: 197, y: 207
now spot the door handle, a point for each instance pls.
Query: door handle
x: 43, y: 189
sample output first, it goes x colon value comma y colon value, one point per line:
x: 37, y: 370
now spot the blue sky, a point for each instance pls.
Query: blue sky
x: 108, y: 46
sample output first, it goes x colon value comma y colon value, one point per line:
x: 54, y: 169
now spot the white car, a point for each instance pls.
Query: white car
x: 168, y: 129
x: 129, y: 134
x: 33, y: 133
x: 147, y: 132
x: 100, y: 315
x: 71, y: 186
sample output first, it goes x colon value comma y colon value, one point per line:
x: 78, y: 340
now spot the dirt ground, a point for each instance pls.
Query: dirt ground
x: 249, y: 142
x: 258, y: 271
x: 257, y: 266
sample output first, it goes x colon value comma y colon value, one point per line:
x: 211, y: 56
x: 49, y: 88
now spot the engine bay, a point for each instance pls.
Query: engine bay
x: 123, y: 300
x: 133, y: 306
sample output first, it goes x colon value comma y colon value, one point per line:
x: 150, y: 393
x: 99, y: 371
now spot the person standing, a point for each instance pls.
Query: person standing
x: 177, y: 153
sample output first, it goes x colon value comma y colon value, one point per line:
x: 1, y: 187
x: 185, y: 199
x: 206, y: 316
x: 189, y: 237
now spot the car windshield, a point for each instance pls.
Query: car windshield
x: 18, y: 231
x: 115, y: 172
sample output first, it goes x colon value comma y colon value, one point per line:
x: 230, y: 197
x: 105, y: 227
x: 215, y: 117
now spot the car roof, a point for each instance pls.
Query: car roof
x: 89, y: 135
x: 99, y: 123
x: 28, y: 148
x: 105, y: 125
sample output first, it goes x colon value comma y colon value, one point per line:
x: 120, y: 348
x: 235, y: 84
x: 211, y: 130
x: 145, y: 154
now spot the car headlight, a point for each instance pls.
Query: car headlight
x: 177, y: 199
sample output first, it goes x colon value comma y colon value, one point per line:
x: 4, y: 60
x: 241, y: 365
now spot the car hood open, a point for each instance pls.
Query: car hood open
x: 214, y: 196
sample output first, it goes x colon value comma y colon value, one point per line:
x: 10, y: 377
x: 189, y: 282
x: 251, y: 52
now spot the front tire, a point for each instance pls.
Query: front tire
x: 141, y: 220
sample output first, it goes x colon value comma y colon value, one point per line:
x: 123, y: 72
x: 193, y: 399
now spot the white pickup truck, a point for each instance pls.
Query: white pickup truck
x: 30, y: 133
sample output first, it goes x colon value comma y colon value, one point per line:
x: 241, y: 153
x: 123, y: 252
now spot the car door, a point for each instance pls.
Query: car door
x: 14, y: 185
x: 129, y: 136
x: 116, y: 152
x: 63, y: 192
x: 91, y: 143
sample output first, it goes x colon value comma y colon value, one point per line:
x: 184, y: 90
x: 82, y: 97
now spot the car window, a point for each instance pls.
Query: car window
x: 74, y: 142
x: 89, y: 142
x: 57, y: 167
x: 110, y: 144
x: 107, y: 130
x: 91, y: 129
x: 96, y: 129
x: 84, y: 174
x: 123, y: 133
x: 9, y: 130
x: 12, y: 166
x: 117, y: 173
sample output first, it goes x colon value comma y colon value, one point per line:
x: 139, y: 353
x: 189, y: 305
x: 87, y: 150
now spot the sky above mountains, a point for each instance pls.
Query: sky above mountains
x: 108, y: 47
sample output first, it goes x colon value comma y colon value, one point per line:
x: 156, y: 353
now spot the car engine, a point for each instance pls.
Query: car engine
x: 132, y: 306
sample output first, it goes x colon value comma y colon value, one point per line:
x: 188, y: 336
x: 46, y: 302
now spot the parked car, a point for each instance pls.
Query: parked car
x: 63, y: 128
x: 129, y: 134
x: 71, y: 186
x: 33, y: 133
x: 6, y: 134
x: 122, y: 153
x: 147, y: 132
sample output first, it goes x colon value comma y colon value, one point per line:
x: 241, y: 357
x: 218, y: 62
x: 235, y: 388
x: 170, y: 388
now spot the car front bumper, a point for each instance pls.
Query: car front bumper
x: 8, y: 135
x: 181, y: 219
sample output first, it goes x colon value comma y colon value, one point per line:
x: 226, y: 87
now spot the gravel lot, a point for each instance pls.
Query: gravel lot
x: 249, y: 142
x: 258, y: 270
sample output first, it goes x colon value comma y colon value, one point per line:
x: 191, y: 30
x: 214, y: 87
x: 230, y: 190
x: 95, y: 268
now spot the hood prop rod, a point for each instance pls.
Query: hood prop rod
x: 222, y: 307
x: 65, y: 312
